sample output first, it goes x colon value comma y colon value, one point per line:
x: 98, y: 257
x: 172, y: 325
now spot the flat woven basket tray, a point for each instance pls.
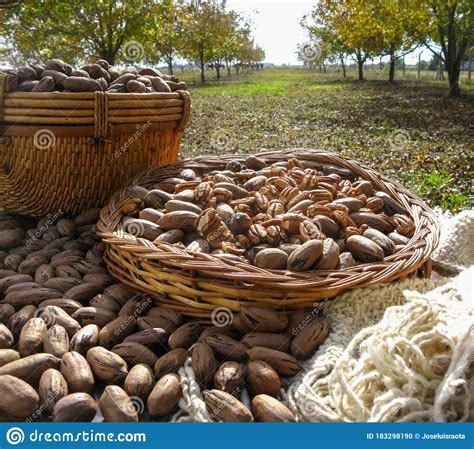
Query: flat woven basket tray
x: 197, y: 284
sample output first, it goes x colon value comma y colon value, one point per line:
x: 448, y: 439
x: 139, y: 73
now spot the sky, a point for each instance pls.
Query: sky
x: 276, y: 26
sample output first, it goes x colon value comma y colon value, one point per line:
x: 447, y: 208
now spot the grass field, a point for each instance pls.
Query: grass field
x: 410, y: 131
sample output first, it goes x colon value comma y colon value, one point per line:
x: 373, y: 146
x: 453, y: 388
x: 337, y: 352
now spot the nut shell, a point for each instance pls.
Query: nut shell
x: 75, y: 407
x: 165, y: 395
x: 224, y: 407
x: 262, y: 378
x: 364, y: 249
x: 268, y: 409
x: 305, y: 256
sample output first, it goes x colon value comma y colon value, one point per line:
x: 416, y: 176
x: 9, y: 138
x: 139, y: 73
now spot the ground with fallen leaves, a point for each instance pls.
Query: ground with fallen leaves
x: 410, y: 131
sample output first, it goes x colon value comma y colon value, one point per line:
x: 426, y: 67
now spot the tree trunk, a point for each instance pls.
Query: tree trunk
x: 109, y: 55
x: 218, y: 71
x: 469, y: 68
x: 439, y: 72
x: 391, y: 73
x: 343, y: 66
x: 453, y: 77
x: 170, y: 64
x: 453, y: 67
x: 361, y: 70
x: 453, y: 47
x: 227, y: 66
x: 201, y: 61
x: 360, y: 63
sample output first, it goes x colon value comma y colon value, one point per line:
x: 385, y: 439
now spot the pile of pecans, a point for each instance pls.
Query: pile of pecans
x: 76, y: 346
x: 271, y: 345
x: 58, y: 76
x: 286, y: 216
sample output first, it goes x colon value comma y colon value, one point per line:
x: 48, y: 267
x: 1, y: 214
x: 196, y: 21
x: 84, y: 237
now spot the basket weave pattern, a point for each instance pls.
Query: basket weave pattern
x: 96, y: 142
x: 197, y: 283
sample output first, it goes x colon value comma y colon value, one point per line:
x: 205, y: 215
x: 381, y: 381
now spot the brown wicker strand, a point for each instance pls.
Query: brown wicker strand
x: 186, y: 109
x: 3, y: 80
x: 99, y: 113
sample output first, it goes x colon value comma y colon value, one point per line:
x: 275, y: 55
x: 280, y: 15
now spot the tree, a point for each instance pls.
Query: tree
x: 400, y: 26
x: 249, y: 54
x: 364, y: 29
x: 165, y: 33
x: 226, y: 26
x: 258, y: 54
x: 232, y: 44
x: 342, y: 20
x: 453, y: 30
x: 215, y: 36
x: 4, y: 4
x: 232, y: 30
x: 201, y: 28
x: 323, y: 36
x: 75, y: 29
x: 390, y: 27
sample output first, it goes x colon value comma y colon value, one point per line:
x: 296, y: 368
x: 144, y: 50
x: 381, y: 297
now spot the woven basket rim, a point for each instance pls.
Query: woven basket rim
x: 81, y: 95
x: 168, y: 257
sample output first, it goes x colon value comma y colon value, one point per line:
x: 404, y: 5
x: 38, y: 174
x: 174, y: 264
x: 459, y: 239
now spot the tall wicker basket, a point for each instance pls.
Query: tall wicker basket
x: 64, y: 151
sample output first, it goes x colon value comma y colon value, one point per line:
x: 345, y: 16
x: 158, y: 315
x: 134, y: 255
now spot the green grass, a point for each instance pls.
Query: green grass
x: 264, y: 88
x: 407, y: 131
x: 439, y: 187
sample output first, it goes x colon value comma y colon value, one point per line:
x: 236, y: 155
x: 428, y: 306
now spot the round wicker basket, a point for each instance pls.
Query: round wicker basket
x: 66, y: 152
x: 197, y: 283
